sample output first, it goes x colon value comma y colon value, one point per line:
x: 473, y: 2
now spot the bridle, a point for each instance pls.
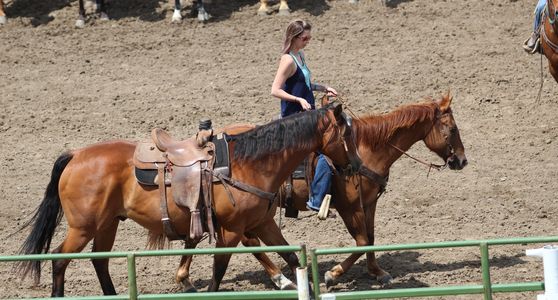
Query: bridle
x: 355, y: 161
x: 446, y: 133
x: 552, y: 22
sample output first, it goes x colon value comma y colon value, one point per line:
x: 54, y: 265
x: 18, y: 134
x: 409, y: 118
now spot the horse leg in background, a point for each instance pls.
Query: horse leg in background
x: 183, y: 272
x: 103, y: 242
x: 2, y: 13
x: 101, y: 9
x: 221, y: 261
x: 272, y: 270
x: 264, y: 9
x: 284, y: 9
x: 176, y: 15
x: 202, y: 13
x: 80, y: 22
x: 75, y: 241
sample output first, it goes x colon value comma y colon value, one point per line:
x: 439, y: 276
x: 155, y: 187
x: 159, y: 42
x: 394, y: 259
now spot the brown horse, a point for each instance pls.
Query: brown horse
x: 264, y: 9
x: 381, y: 140
x: 95, y: 188
x: 549, y: 40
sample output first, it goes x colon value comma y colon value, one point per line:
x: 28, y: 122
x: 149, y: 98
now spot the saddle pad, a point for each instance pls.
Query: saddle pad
x: 222, y: 161
x: 146, y: 177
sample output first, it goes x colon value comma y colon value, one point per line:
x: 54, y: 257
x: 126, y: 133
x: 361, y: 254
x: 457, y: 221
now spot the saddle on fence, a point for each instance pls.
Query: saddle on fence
x: 187, y: 167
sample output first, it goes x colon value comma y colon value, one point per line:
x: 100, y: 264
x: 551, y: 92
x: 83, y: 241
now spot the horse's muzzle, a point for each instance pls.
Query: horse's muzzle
x: 456, y: 163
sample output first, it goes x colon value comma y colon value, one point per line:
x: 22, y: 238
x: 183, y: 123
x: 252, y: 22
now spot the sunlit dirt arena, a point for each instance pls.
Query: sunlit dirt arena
x: 63, y: 88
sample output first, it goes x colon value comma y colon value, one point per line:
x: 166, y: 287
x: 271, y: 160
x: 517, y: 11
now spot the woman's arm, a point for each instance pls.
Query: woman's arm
x: 286, y: 69
x: 322, y: 88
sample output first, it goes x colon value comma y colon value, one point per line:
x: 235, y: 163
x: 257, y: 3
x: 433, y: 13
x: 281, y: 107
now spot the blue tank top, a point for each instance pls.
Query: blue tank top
x: 297, y: 85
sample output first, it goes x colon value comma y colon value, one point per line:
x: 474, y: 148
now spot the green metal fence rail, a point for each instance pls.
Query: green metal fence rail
x: 131, y: 260
x: 487, y: 288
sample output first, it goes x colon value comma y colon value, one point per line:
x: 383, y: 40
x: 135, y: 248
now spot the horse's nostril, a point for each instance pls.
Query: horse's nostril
x: 465, y: 162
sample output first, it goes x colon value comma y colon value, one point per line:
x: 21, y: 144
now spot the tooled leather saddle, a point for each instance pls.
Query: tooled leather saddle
x: 188, y: 168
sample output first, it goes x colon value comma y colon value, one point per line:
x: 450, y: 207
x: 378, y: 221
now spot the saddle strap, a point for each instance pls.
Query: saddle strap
x: 379, y: 179
x: 247, y: 188
x: 167, y: 225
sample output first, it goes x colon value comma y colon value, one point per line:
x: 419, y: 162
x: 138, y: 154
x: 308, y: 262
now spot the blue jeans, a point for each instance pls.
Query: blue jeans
x: 538, y: 11
x: 320, y: 185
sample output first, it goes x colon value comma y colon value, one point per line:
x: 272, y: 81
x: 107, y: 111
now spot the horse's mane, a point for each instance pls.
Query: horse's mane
x: 297, y: 131
x: 377, y: 130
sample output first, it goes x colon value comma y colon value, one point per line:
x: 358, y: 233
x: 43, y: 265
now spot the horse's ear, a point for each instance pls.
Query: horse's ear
x: 445, y: 102
x: 338, y: 111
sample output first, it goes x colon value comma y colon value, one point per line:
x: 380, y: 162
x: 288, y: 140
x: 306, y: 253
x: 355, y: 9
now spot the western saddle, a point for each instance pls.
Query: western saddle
x: 187, y: 167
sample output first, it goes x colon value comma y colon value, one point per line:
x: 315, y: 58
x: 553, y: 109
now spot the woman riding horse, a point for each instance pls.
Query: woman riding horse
x: 381, y: 140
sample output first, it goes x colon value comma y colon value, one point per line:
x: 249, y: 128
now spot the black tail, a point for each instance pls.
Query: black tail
x: 47, y: 216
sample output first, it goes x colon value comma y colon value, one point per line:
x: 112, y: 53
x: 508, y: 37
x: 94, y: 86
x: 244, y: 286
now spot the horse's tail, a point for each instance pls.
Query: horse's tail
x: 45, y: 219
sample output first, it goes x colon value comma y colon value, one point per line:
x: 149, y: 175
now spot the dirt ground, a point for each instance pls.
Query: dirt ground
x: 63, y: 88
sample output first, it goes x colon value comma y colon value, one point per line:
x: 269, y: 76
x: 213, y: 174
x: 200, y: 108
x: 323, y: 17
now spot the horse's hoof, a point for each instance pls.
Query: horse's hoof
x: 104, y: 17
x: 203, y: 16
x: 80, y: 23
x: 284, y: 12
x: 176, y: 17
x: 329, y: 279
x: 385, y: 280
x: 3, y: 20
x: 191, y: 290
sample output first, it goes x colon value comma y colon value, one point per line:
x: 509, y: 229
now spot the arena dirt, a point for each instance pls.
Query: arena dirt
x: 63, y: 88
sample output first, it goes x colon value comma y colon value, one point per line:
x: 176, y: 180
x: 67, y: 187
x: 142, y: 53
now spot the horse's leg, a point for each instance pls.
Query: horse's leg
x: 374, y: 269
x: 272, y: 270
x: 103, y: 242
x: 284, y: 9
x: 221, y: 261
x: 74, y: 242
x: 202, y: 13
x: 80, y: 22
x: 102, y: 10
x: 183, y: 272
x: 354, y: 221
x: 176, y: 15
x: 264, y: 9
x: 271, y: 235
x: 2, y: 14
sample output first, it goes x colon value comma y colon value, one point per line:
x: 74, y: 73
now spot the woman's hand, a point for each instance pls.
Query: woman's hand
x: 330, y: 91
x: 305, y: 105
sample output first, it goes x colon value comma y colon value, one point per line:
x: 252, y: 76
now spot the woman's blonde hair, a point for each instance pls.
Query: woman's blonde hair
x: 294, y: 29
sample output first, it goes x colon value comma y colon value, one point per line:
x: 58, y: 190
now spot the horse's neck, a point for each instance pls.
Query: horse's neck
x: 271, y: 171
x: 381, y: 158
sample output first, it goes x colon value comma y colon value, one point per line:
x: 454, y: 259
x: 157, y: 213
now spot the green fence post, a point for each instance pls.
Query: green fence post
x: 132, y: 285
x: 485, y: 265
x: 303, y: 259
x: 315, y: 274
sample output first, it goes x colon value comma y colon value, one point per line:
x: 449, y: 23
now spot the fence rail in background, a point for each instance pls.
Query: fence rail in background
x: 487, y: 288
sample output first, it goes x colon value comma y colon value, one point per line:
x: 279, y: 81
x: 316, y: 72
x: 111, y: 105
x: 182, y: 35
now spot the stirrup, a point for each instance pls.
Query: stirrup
x: 534, y: 49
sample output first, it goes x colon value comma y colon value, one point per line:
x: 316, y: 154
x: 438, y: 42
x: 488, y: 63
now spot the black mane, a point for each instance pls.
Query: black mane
x: 298, y: 131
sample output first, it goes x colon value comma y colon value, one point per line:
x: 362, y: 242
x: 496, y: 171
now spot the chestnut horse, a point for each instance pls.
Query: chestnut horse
x: 95, y: 188
x: 381, y: 140
x: 549, y: 40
